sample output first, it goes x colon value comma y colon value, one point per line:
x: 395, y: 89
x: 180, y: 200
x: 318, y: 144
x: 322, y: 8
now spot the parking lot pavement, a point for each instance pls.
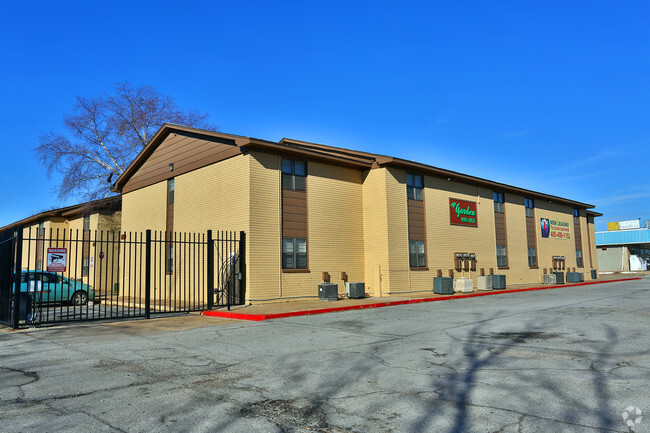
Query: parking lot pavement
x: 573, y: 360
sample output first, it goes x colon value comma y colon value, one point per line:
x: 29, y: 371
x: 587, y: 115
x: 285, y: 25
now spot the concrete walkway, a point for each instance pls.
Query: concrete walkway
x: 280, y: 309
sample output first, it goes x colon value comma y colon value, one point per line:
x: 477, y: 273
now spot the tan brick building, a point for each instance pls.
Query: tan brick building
x: 312, y: 211
x: 84, y: 230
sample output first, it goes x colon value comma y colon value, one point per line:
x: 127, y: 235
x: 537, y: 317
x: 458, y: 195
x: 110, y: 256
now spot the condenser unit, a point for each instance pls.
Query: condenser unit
x: 582, y: 276
x: 484, y: 282
x: 498, y: 282
x: 355, y: 290
x: 594, y: 274
x: 328, y: 291
x: 463, y: 285
x: 548, y: 279
x: 443, y: 285
x: 559, y: 277
x: 573, y: 277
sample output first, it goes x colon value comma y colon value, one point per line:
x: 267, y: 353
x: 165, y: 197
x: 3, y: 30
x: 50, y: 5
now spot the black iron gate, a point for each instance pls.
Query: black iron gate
x: 7, y: 263
x: 68, y: 276
x: 228, y: 260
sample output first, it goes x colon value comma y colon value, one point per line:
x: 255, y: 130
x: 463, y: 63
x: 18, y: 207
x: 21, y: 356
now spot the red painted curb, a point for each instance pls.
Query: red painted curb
x: 261, y: 317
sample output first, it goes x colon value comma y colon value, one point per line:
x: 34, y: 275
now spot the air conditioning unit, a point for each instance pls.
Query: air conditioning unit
x: 594, y: 274
x: 498, y: 282
x: 355, y: 290
x: 573, y: 277
x: 443, y: 285
x: 548, y: 279
x: 463, y: 285
x: 484, y: 282
x: 328, y: 291
x: 559, y: 277
x: 582, y: 276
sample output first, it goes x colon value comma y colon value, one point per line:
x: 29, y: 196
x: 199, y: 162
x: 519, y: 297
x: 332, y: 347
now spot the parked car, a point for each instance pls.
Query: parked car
x: 48, y: 287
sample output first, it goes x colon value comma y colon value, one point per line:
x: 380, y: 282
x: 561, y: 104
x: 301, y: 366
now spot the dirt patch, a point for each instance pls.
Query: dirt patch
x: 291, y: 415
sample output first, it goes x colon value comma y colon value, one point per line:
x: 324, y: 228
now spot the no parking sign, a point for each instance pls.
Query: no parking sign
x: 57, y: 259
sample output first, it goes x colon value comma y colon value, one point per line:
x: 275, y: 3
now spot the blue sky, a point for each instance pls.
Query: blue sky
x: 550, y: 96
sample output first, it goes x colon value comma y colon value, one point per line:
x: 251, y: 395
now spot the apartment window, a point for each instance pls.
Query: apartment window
x: 40, y: 245
x: 498, y: 202
x: 576, y: 216
x: 294, y: 253
x: 417, y: 256
x: 85, y: 266
x: 532, y: 257
x: 170, y: 191
x: 502, y: 257
x: 294, y: 175
x: 579, y: 258
x: 87, y: 222
x: 414, y: 187
x: 170, y: 258
x: 530, y: 208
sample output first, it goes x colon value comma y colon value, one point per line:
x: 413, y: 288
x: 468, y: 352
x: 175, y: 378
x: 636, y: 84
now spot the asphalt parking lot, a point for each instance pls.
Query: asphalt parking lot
x: 572, y: 359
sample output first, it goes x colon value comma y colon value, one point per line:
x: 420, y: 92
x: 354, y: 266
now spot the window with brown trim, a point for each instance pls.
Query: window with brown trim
x: 416, y: 221
x: 294, y: 253
x: 414, y: 187
x: 294, y: 175
x: 530, y: 207
x: 294, y: 216
x: 502, y: 256
x: 417, y: 254
x: 532, y: 257
x: 498, y: 202
x: 85, y: 250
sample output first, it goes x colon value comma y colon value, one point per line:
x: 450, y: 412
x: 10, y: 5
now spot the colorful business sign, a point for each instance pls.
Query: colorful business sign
x: 463, y: 213
x: 555, y: 229
x: 629, y: 225
x: 57, y: 259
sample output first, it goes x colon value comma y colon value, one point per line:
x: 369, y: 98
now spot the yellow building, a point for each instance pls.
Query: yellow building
x: 314, y: 213
x: 87, y: 232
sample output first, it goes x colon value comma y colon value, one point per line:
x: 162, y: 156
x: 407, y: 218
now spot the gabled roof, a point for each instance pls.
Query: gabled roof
x: 110, y: 203
x: 331, y: 154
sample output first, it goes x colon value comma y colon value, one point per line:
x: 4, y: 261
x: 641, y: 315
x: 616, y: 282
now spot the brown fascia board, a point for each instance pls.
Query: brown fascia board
x: 66, y: 212
x: 159, y: 136
x: 594, y: 213
x: 308, y: 152
x: 338, y: 151
x: 439, y: 172
x: 110, y: 203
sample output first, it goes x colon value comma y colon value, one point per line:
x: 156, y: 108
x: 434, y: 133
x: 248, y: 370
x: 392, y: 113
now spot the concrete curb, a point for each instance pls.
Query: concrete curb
x: 271, y: 316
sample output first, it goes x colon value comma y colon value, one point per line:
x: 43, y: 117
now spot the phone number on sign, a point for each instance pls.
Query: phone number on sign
x: 561, y: 235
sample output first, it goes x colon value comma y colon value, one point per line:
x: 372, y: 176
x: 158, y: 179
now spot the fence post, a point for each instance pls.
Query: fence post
x: 210, y: 276
x: 18, y: 264
x: 147, y: 276
x: 242, y: 266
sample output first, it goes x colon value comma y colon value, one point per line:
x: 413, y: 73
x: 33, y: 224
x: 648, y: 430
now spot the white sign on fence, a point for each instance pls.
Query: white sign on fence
x: 57, y: 259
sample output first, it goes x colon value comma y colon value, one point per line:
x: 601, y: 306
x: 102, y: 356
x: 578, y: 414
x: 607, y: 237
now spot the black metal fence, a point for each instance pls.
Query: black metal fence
x: 81, y: 275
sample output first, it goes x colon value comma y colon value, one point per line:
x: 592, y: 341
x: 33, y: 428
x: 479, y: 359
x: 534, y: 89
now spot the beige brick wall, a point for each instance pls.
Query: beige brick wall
x: 144, y: 209
x: 444, y: 239
x: 375, y: 231
x: 264, y: 255
x: 335, y: 225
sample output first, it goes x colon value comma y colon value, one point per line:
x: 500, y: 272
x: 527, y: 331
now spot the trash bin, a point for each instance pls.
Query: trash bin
x: 25, y: 312
x: 116, y: 288
x: 594, y: 274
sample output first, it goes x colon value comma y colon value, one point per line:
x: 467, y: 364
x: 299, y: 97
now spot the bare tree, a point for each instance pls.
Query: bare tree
x: 105, y: 133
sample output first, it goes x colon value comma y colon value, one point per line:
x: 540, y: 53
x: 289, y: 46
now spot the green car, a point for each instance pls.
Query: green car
x: 48, y: 287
